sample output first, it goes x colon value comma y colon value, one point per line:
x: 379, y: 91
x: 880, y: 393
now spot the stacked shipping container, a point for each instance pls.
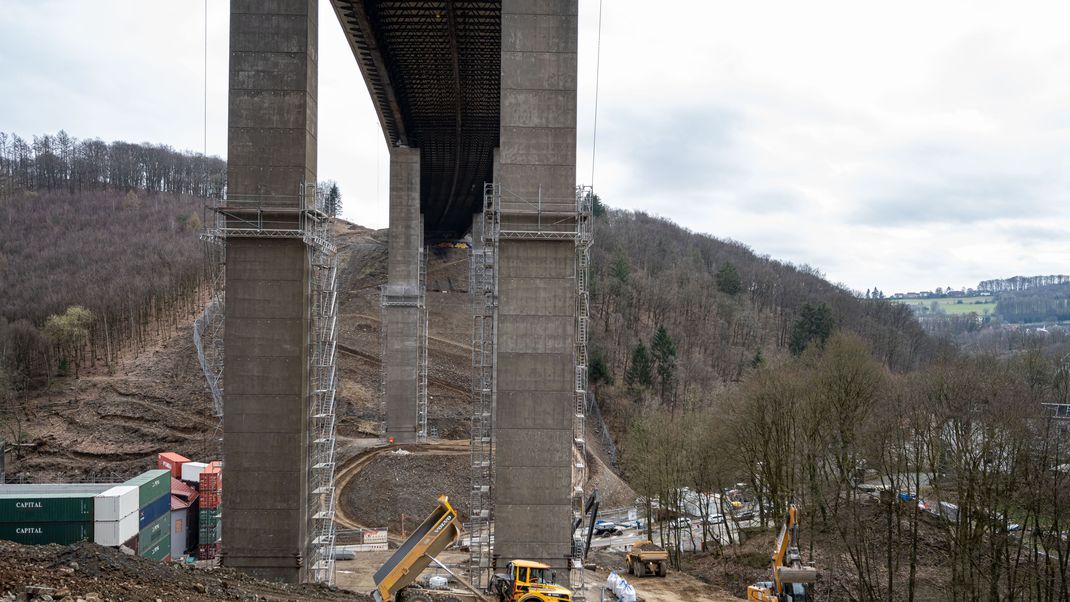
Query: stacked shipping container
x: 40, y: 514
x: 211, y: 511
x: 154, y: 513
x: 115, y: 515
x: 136, y: 515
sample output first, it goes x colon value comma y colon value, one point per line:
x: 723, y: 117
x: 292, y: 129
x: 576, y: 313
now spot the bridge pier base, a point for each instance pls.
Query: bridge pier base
x: 403, y: 300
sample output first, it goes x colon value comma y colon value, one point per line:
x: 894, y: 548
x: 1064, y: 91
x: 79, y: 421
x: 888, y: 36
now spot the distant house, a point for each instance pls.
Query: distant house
x: 984, y: 294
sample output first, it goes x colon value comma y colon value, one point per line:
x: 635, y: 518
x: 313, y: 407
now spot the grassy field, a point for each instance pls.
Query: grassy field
x: 953, y: 305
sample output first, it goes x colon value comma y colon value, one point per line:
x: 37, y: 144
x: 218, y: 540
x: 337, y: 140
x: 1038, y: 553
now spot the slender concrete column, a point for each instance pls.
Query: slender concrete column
x: 402, y: 314
x: 536, y: 365
x: 271, y: 152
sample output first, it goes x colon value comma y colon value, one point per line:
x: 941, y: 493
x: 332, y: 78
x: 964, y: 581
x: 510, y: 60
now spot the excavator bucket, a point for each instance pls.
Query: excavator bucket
x: 435, y: 534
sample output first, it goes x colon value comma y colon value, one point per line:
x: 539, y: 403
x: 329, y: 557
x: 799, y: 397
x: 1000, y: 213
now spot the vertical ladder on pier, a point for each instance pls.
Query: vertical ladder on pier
x: 483, y: 284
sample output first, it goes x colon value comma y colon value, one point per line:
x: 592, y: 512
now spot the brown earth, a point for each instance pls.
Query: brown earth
x: 403, y: 481
x: 676, y: 586
x: 70, y: 572
x: 109, y: 424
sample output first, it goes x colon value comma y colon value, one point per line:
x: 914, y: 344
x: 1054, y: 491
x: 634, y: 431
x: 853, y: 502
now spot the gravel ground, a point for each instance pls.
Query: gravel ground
x: 396, y: 484
x: 86, y: 571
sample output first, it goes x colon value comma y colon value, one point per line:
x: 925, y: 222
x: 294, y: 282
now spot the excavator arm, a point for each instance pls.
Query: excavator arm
x: 790, y: 578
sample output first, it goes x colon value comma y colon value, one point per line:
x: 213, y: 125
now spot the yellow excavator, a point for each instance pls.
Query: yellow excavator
x: 791, y: 579
x: 395, y: 581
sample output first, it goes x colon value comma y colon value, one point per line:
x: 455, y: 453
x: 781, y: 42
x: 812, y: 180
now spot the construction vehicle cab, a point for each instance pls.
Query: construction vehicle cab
x: 791, y: 580
x: 527, y: 581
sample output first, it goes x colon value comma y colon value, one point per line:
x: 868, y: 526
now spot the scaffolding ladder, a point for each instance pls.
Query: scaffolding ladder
x: 322, y: 386
x: 483, y: 284
x: 422, y: 339
x: 584, y: 239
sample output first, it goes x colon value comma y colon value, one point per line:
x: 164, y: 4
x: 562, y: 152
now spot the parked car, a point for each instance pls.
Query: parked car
x: 680, y: 523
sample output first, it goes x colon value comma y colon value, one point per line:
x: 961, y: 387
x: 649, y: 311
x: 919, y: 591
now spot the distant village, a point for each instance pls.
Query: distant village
x: 941, y: 293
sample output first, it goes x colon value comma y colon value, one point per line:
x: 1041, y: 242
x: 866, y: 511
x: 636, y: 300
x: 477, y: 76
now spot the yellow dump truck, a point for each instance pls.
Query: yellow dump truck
x: 395, y: 581
x: 647, y: 558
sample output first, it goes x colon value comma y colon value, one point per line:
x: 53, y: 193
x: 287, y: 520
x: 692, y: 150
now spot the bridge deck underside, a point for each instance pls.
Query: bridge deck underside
x: 433, y: 70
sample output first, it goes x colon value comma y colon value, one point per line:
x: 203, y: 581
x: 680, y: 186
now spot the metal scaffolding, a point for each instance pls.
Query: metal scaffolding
x: 419, y: 301
x: 422, y: 339
x: 322, y: 386
x: 483, y: 284
x: 303, y: 217
x: 584, y: 239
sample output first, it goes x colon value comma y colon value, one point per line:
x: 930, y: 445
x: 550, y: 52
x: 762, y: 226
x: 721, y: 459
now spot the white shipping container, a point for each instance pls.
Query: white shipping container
x: 115, y: 532
x: 115, y: 504
x: 191, y: 471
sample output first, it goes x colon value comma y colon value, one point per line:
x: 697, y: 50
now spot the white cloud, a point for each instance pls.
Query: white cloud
x: 907, y: 145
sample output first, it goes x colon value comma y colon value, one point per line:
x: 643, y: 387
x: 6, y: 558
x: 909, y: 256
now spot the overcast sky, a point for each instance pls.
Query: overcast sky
x: 903, y: 145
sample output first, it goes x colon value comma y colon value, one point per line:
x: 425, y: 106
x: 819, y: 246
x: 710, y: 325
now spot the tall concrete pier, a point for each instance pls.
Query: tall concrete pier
x: 271, y: 153
x: 403, y: 312
x: 536, y: 365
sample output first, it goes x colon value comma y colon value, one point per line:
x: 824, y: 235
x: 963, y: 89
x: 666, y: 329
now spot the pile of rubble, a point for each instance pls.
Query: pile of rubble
x: 86, y: 572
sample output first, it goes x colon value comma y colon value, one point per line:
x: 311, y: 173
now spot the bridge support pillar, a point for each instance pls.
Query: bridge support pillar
x: 404, y: 312
x: 536, y: 366
x: 271, y: 154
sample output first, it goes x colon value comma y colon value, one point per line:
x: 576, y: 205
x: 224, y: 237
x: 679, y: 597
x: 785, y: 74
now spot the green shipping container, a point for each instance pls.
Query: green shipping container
x: 46, y: 507
x: 152, y: 534
x: 158, y: 550
x: 209, y: 513
x: 47, y: 532
x: 151, y: 485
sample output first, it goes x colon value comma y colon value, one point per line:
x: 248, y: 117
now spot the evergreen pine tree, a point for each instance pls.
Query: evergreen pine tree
x: 640, y: 371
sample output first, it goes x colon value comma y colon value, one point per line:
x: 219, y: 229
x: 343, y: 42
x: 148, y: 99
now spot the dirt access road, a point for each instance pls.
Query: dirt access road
x: 357, y: 575
x: 675, y: 587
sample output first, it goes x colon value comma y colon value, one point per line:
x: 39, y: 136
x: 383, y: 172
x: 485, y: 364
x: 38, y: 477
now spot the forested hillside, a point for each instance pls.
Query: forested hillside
x: 51, y: 163
x: 1050, y: 303
x: 85, y: 274
x: 98, y: 242
x: 722, y: 306
x: 918, y: 470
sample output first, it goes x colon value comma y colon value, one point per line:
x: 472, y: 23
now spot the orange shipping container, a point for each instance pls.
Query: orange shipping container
x: 171, y: 461
x: 211, y: 487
